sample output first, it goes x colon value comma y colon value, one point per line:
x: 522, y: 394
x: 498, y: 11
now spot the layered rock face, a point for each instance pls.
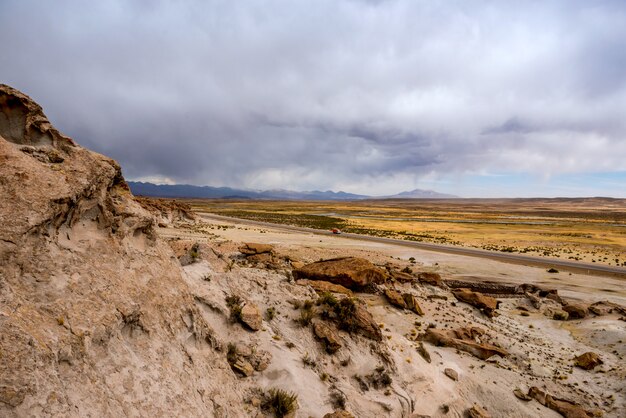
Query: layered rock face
x: 95, y: 317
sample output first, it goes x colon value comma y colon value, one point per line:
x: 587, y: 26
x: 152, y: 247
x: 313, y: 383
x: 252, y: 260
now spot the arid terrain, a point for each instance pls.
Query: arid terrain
x: 590, y: 230
x: 116, y: 306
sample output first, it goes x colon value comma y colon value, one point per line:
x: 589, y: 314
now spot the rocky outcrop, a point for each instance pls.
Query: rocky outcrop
x: 564, y: 407
x: 167, y: 211
x: 433, y: 279
x: 251, y: 248
x: 486, y: 304
x: 465, y: 340
x: 395, y: 298
x: 328, y: 335
x: 412, y: 303
x: 576, y: 310
x: 350, y: 272
x: 321, y: 286
x: 91, y: 302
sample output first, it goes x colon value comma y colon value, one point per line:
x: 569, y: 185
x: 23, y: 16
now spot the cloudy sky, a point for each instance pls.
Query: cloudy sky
x: 475, y: 98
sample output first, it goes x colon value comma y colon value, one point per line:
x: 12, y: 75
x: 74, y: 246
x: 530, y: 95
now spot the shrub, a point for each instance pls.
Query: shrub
x: 309, y: 361
x: 270, y: 313
x: 231, y: 354
x: 234, y: 303
x: 346, y: 313
x: 327, y: 298
x: 280, y: 402
x: 306, y: 316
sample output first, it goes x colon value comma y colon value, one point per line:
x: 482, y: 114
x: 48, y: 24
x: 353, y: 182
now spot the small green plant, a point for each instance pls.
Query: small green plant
x: 280, y: 402
x: 345, y: 311
x: 231, y: 353
x: 328, y: 299
x: 309, y: 361
x: 194, y: 253
x: 270, y: 313
x: 306, y: 316
x: 234, y: 303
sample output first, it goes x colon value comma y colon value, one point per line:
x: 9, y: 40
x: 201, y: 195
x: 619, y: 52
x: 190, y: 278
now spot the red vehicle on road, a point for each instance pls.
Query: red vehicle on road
x: 335, y: 231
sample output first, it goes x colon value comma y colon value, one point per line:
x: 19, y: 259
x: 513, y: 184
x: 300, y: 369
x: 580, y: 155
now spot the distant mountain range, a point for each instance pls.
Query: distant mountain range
x: 208, y: 192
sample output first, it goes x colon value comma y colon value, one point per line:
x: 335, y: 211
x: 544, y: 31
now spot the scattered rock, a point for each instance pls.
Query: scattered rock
x: 246, y: 359
x: 452, y: 374
x: 423, y: 352
x: 560, y: 315
x: 588, y: 361
x: 433, y: 279
x: 321, y: 286
x: 412, y: 303
x: 351, y: 272
x: 521, y: 395
x: 242, y: 367
x: 477, y: 411
x: 328, y: 335
x: 251, y: 316
x: 576, y: 311
x: 564, y: 407
x: 486, y: 304
x: 450, y: 339
x: 395, y: 298
x: 250, y: 248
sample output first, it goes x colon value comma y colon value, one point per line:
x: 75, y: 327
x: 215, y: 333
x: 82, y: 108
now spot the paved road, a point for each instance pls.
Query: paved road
x: 573, y: 266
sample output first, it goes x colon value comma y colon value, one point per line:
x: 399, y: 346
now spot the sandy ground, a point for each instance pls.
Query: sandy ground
x: 541, y: 349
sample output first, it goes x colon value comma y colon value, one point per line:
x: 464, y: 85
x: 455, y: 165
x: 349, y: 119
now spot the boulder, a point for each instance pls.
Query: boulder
x: 564, y: 407
x: 251, y: 316
x: 588, y: 361
x: 576, y: 310
x: 351, y: 272
x: 395, y: 298
x: 433, y: 279
x: 450, y: 339
x: 321, y: 286
x: 251, y: 248
x: 560, y: 315
x: 328, y: 335
x: 486, y: 304
x: 412, y: 303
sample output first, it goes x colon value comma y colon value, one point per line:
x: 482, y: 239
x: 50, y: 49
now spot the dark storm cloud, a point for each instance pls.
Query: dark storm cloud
x: 360, y: 95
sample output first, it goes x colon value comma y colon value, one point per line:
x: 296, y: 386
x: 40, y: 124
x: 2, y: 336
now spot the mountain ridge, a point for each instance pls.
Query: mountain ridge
x: 211, y: 192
